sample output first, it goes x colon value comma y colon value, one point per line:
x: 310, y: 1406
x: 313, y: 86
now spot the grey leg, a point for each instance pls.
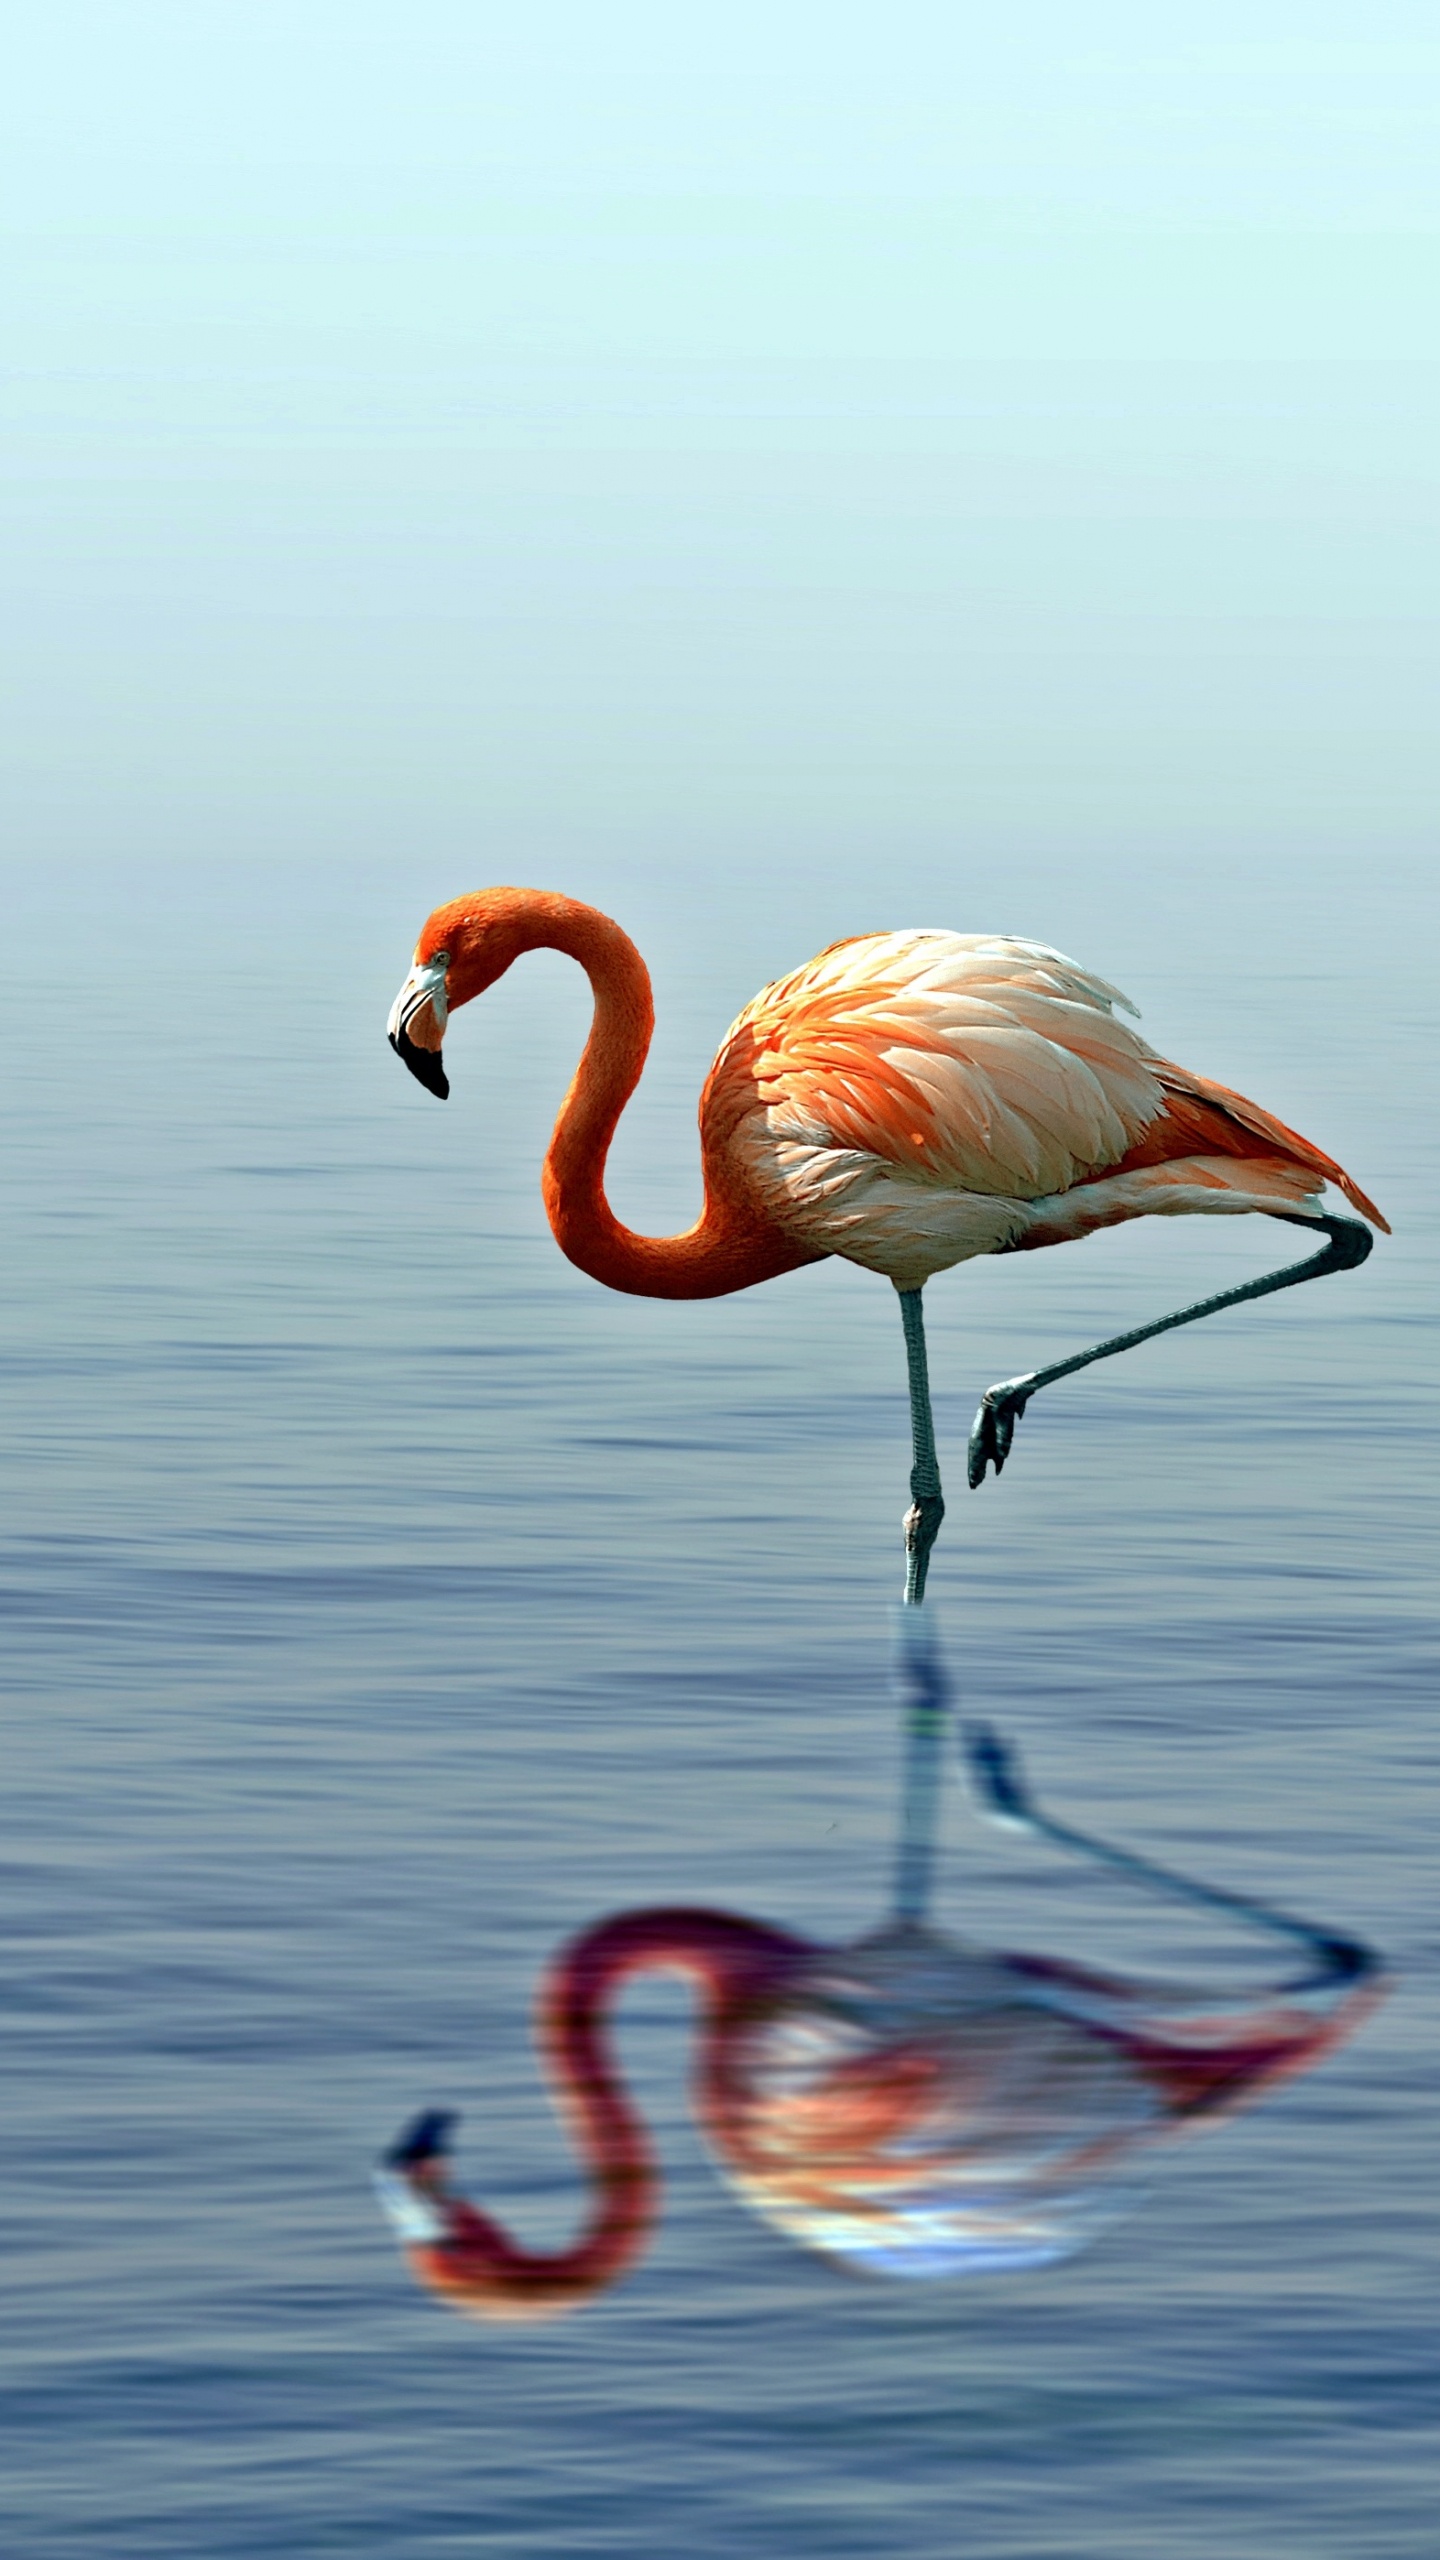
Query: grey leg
x: 999, y: 1784
x: 1001, y: 1406
x: 925, y: 1696
x: 927, y: 1503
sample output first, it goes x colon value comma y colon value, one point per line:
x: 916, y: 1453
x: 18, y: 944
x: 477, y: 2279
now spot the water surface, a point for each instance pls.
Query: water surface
x: 382, y: 1601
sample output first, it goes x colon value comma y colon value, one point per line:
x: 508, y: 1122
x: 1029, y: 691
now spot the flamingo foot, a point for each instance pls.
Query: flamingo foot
x: 994, y: 1426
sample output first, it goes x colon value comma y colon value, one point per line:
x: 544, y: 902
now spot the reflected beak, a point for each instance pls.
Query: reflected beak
x: 415, y: 2221
x: 406, y: 2178
x: 417, y: 1025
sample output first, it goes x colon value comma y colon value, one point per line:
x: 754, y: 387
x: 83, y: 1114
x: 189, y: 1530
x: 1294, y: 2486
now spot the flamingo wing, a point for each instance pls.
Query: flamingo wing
x: 911, y: 1099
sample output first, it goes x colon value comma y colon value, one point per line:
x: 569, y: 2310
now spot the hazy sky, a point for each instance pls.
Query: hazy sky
x: 718, y: 433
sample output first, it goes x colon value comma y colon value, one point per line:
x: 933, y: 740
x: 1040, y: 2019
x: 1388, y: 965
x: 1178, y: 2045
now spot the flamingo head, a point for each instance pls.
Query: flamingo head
x: 462, y: 950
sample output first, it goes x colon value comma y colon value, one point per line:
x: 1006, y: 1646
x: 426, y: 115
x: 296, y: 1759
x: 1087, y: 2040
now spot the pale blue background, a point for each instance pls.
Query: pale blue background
x: 775, y: 475
x: 763, y: 429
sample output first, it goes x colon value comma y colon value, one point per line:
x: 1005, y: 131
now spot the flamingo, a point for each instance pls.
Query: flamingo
x: 907, y: 1101
x: 913, y: 2105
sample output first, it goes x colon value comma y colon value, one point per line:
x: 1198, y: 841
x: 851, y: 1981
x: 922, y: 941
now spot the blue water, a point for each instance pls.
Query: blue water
x: 382, y: 1601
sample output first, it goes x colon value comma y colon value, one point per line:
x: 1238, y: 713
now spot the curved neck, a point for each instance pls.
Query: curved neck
x: 731, y: 1245
x: 476, y: 2265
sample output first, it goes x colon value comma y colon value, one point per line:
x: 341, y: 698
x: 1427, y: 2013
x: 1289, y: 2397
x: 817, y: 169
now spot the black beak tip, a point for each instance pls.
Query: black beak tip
x: 428, y: 2138
x: 426, y: 1065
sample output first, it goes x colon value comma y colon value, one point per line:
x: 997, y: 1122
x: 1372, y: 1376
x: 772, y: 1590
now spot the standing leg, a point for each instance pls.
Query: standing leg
x: 925, y: 1697
x: 1001, y: 1406
x: 927, y: 1503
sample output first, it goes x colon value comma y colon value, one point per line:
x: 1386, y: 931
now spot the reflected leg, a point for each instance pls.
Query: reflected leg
x: 924, y: 1692
x: 999, y: 1784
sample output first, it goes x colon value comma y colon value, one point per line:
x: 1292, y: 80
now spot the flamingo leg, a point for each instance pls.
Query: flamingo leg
x: 1002, y: 1405
x: 927, y: 1503
x: 996, y: 1775
x: 925, y: 1700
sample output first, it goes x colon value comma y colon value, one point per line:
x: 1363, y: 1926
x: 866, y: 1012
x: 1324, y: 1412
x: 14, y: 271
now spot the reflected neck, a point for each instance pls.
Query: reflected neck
x: 477, y: 2266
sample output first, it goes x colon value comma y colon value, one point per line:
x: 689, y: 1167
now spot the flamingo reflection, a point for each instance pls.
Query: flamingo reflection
x: 912, y: 2105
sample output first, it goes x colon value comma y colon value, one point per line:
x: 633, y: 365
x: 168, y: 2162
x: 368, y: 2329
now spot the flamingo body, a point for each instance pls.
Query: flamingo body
x: 911, y: 1100
x: 906, y: 1101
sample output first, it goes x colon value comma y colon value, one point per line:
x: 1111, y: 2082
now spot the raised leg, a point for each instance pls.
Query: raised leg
x: 1001, y: 1406
x: 999, y: 1784
x: 927, y: 1503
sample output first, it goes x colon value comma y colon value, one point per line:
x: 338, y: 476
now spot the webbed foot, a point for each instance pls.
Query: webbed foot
x: 994, y: 1428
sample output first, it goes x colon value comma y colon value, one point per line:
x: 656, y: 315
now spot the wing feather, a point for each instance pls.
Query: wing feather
x: 967, y: 1059
x: 904, y: 1098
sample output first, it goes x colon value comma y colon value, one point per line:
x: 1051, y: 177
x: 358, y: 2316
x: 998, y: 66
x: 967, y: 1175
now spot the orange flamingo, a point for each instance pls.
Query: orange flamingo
x: 910, y: 2106
x: 907, y: 1101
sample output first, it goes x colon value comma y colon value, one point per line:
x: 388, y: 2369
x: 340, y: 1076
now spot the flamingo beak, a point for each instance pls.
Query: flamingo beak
x: 417, y: 1021
x: 415, y: 2221
x: 407, y: 2194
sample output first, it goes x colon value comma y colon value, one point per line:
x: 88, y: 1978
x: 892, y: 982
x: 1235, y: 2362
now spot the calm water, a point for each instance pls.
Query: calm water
x: 383, y: 1601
